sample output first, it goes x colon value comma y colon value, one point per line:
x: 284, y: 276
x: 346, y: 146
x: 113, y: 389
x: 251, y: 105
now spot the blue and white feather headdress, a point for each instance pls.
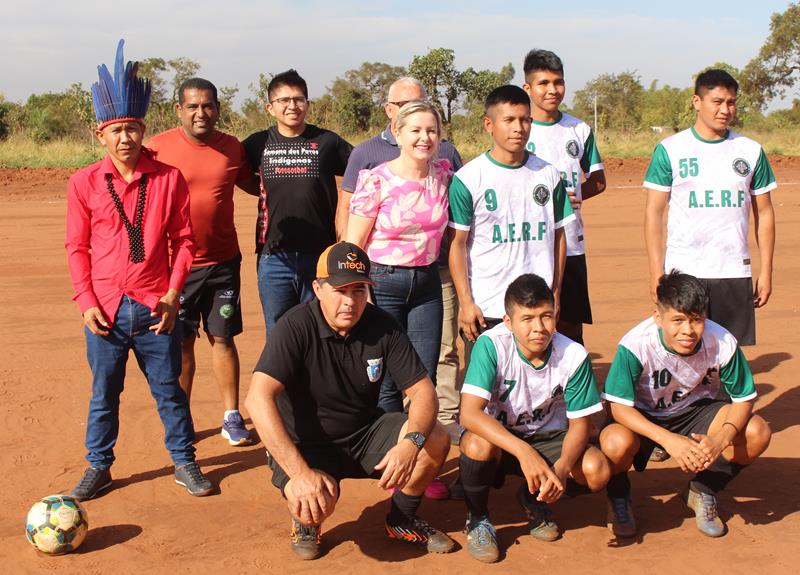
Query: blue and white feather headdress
x: 123, y: 98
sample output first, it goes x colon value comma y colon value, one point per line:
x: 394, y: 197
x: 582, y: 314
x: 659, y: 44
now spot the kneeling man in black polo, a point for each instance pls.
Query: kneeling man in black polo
x: 314, y: 401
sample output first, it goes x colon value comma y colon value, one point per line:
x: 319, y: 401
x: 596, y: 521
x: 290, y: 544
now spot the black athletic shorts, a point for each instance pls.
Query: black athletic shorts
x: 696, y: 418
x: 575, y: 306
x: 547, y: 443
x: 213, y: 294
x: 354, y: 457
x: 731, y: 306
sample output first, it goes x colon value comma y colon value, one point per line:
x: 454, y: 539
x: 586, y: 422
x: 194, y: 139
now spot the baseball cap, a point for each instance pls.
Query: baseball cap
x: 343, y: 264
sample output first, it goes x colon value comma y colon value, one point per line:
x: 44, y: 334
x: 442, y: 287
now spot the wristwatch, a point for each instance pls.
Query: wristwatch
x: 417, y: 438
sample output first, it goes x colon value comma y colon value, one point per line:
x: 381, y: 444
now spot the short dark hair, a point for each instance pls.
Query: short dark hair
x: 528, y: 290
x: 196, y: 84
x: 683, y: 293
x: 508, y: 94
x: 288, y: 78
x: 714, y: 78
x: 542, y: 60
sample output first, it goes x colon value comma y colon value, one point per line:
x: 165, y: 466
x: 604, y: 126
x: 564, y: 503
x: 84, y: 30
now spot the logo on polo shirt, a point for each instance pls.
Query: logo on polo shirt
x: 374, y: 369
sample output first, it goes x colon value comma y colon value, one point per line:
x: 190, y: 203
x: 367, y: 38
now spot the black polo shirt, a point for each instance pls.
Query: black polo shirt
x: 332, y: 382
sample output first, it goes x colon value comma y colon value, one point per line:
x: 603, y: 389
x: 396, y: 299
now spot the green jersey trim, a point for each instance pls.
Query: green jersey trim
x: 547, y: 355
x: 702, y: 139
x: 622, y: 377
x: 562, y: 208
x: 737, y: 378
x: 763, y: 178
x: 591, y: 156
x: 506, y: 166
x: 553, y: 123
x: 481, y: 376
x: 659, y: 172
x: 581, y: 395
x: 461, y: 208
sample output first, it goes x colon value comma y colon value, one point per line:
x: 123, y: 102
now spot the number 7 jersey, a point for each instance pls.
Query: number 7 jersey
x: 659, y: 382
x: 710, y: 183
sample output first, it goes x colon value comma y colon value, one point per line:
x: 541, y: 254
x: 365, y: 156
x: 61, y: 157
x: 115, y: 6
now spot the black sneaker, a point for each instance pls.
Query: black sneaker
x: 305, y: 540
x: 190, y: 476
x: 418, y: 531
x: 93, y: 482
x: 541, y: 526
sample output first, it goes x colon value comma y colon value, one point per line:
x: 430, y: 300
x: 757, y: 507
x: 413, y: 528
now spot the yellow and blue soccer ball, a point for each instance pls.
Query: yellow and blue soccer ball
x: 56, y: 524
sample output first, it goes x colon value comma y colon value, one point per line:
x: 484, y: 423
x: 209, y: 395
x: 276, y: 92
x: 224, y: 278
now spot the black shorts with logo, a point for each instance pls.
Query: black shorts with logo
x: 731, y: 306
x: 213, y: 294
x: 574, y: 302
x: 353, y: 457
x: 548, y: 444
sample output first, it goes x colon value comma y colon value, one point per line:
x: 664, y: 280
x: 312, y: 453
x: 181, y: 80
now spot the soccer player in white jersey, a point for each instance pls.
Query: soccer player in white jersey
x: 567, y: 143
x: 710, y: 178
x: 525, y: 404
x: 508, y: 209
x: 663, y: 388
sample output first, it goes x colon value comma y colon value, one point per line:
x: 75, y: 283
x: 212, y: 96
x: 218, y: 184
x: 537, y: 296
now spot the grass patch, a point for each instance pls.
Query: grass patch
x: 22, y: 152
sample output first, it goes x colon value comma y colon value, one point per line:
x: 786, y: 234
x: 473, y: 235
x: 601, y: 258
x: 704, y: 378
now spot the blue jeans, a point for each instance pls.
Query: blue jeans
x: 413, y: 297
x: 159, y: 358
x: 284, y: 280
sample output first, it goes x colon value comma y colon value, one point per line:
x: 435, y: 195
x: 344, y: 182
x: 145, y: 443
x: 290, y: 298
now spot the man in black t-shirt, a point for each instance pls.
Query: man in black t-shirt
x: 314, y: 401
x: 298, y: 164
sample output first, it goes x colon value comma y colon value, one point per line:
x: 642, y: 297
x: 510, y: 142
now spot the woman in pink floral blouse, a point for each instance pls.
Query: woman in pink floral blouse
x: 398, y: 214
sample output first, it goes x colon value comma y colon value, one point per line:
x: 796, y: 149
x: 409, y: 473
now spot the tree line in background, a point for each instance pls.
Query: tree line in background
x: 353, y: 103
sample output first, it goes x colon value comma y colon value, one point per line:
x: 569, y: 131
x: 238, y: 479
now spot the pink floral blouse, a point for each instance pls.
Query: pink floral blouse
x: 410, y: 216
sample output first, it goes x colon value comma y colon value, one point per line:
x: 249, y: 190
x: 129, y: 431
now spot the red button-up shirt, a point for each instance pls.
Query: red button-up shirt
x: 97, y: 245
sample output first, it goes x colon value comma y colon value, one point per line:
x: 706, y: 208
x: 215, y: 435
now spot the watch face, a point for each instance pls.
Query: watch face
x: 416, y: 438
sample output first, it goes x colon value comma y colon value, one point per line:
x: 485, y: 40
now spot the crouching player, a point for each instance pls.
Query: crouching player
x: 663, y: 387
x: 525, y: 404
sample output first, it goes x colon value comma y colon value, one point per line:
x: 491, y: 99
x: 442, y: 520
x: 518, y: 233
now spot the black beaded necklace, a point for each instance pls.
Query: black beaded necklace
x: 135, y: 238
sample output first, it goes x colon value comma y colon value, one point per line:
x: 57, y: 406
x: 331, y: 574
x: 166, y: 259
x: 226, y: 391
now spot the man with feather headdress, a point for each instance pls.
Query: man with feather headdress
x: 129, y: 248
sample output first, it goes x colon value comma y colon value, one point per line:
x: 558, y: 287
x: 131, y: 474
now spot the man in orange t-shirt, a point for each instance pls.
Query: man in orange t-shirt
x: 212, y: 162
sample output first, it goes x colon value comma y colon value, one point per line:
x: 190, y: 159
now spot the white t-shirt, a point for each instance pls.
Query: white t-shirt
x: 511, y: 213
x: 710, y: 183
x: 659, y: 382
x: 569, y: 145
x: 528, y: 399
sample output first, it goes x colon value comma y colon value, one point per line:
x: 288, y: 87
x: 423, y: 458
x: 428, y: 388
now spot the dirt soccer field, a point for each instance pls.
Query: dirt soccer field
x: 146, y: 523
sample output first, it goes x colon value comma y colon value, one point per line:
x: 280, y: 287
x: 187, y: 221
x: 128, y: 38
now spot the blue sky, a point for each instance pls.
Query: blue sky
x: 47, y: 45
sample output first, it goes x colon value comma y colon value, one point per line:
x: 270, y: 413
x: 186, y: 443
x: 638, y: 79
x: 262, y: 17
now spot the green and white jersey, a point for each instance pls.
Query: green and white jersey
x: 569, y: 145
x: 659, y: 382
x: 511, y: 214
x: 710, y: 183
x: 527, y: 399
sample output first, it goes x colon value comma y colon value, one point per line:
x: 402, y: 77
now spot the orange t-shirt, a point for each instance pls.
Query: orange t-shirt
x: 211, y: 170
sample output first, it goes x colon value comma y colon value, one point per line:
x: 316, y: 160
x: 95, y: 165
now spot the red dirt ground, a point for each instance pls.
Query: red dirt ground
x: 148, y: 524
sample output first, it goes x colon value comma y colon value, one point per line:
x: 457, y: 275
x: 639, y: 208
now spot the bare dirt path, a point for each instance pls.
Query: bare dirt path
x: 148, y: 524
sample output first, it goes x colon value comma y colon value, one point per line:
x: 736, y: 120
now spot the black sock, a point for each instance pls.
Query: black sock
x: 619, y: 486
x: 476, y: 477
x: 403, y: 506
x: 716, y: 478
x: 574, y: 489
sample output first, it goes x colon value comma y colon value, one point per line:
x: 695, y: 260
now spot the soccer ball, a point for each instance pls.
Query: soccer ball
x: 57, y: 524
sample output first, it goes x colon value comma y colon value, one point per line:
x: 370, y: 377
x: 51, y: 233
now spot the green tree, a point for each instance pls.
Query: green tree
x: 776, y: 68
x: 5, y: 109
x: 476, y: 85
x: 667, y: 107
x: 619, y: 101
x: 437, y: 72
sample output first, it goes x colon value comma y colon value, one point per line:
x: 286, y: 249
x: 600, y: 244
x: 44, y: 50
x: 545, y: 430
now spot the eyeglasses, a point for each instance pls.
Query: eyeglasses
x: 298, y: 101
x: 400, y: 103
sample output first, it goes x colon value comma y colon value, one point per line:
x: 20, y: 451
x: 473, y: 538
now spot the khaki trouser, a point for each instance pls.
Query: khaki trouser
x: 448, y: 382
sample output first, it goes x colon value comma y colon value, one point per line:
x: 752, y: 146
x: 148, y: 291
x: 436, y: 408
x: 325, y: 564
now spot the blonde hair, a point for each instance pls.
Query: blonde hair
x: 416, y: 107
